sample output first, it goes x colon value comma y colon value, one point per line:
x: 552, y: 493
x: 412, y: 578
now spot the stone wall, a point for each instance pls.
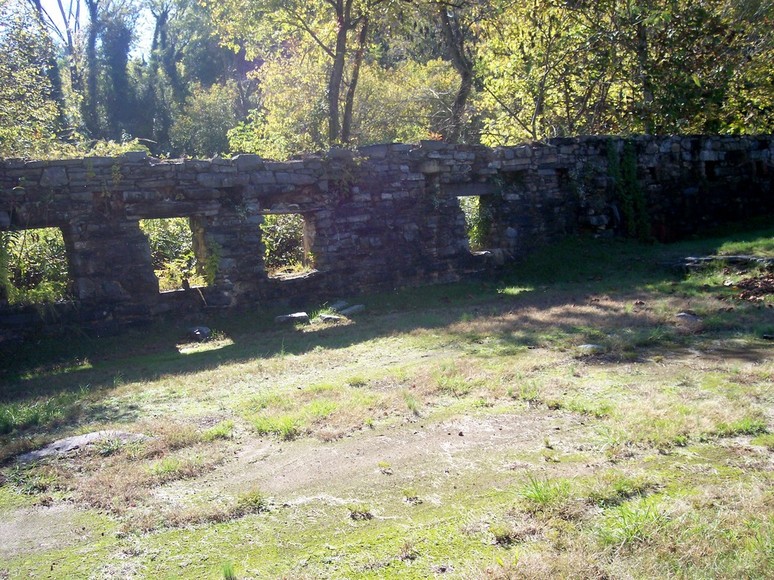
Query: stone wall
x: 381, y: 217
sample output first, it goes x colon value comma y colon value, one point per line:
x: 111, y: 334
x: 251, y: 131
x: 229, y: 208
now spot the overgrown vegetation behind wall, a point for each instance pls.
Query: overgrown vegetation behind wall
x: 33, y: 266
x: 172, y: 253
x: 283, y: 239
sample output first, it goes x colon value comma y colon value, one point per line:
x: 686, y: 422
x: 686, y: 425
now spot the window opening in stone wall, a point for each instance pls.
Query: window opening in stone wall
x: 33, y: 267
x: 174, y: 260
x: 287, y: 240
x: 478, y: 221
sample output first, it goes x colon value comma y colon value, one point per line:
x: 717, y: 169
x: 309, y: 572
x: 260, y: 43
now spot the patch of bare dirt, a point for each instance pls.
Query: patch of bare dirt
x: 429, y: 450
x: 37, y: 529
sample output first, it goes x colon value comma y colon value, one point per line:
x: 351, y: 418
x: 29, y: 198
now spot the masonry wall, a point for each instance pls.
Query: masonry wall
x: 382, y: 217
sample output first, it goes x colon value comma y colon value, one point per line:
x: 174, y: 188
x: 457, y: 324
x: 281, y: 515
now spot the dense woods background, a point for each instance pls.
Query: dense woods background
x: 278, y: 77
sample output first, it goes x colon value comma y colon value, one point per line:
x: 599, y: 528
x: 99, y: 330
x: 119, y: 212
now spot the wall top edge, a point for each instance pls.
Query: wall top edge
x: 373, y: 152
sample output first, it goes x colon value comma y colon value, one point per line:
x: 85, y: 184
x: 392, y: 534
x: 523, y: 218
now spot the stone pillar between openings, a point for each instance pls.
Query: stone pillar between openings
x: 111, y: 264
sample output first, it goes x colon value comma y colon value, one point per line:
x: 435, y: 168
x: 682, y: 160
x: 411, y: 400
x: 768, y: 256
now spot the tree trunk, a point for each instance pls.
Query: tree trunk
x: 455, y: 42
x: 643, y: 62
x: 90, y: 114
x: 346, y: 130
x: 343, y: 12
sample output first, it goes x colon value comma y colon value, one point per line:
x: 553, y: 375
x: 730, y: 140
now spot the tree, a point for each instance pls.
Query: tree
x: 291, y: 117
x: 116, y: 36
x: 201, y: 128
x: 459, y: 26
x: 28, y: 111
x: 67, y: 31
x: 542, y: 72
x: 332, y: 26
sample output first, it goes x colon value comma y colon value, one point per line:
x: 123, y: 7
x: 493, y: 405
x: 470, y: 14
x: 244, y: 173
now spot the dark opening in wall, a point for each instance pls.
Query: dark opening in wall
x: 176, y: 262
x: 478, y: 220
x: 710, y: 169
x: 287, y: 240
x: 34, y: 267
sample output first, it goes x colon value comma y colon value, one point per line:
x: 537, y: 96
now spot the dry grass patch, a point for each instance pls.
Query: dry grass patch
x: 119, y: 478
x: 156, y: 517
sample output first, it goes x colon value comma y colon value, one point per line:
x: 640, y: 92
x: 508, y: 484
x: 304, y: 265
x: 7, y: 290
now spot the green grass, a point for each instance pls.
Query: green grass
x: 286, y: 427
x: 632, y: 522
x: 454, y: 430
x: 544, y: 496
x: 223, y: 430
x: 744, y: 426
x: 766, y: 440
x: 252, y: 502
x: 45, y: 412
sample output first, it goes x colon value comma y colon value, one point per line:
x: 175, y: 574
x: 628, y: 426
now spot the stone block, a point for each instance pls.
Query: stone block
x: 54, y: 177
x: 430, y: 166
x: 300, y: 179
x: 135, y: 156
x: 248, y: 162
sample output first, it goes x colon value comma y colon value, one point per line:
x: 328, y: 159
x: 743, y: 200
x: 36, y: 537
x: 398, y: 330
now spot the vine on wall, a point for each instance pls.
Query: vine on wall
x: 628, y: 191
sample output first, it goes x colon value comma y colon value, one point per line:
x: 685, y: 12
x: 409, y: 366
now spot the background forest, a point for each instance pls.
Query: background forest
x: 280, y: 77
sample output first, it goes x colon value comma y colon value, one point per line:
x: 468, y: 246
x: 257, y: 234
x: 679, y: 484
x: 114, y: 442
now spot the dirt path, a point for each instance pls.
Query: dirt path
x: 298, y: 471
x: 39, y: 529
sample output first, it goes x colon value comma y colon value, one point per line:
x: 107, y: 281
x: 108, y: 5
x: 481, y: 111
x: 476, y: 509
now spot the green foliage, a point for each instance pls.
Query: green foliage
x: 628, y: 191
x: 201, y: 129
x: 550, y: 68
x: 227, y: 570
x: 109, y: 148
x: 252, y: 502
x: 360, y: 511
x: 28, y: 113
x: 172, y: 254
x: 478, y: 221
x: 632, y: 522
x: 292, y: 117
x: 33, y: 266
x: 283, y: 240
x: 544, y: 495
x: 744, y: 426
x: 539, y: 68
x: 222, y: 430
x: 449, y: 379
x: 211, y: 263
x: 535, y: 67
x: 405, y: 103
x: 285, y: 427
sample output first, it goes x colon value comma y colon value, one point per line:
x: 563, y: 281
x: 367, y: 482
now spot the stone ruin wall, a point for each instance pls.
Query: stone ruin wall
x: 378, y: 218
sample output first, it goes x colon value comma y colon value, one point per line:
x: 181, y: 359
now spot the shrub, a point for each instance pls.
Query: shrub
x: 33, y: 266
x: 283, y: 239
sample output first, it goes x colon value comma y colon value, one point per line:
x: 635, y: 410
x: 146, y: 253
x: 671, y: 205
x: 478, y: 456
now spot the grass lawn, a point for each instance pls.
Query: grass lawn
x: 594, y: 412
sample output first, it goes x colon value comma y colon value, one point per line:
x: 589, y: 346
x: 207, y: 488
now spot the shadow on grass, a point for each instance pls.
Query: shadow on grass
x: 556, y: 299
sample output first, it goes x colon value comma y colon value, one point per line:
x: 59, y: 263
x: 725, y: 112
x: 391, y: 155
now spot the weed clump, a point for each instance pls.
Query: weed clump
x: 285, y: 427
x: 632, y: 522
x: 251, y: 502
x: 222, y: 430
x: 359, y: 511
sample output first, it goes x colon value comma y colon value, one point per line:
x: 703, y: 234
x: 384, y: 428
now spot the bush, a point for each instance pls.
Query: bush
x: 33, y: 266
x: 283, y: 239
x: 172, y: 253
x: 477, y: 221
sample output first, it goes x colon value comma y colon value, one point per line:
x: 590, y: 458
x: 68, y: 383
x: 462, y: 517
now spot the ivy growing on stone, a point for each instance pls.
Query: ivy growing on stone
x: 628, y: 191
